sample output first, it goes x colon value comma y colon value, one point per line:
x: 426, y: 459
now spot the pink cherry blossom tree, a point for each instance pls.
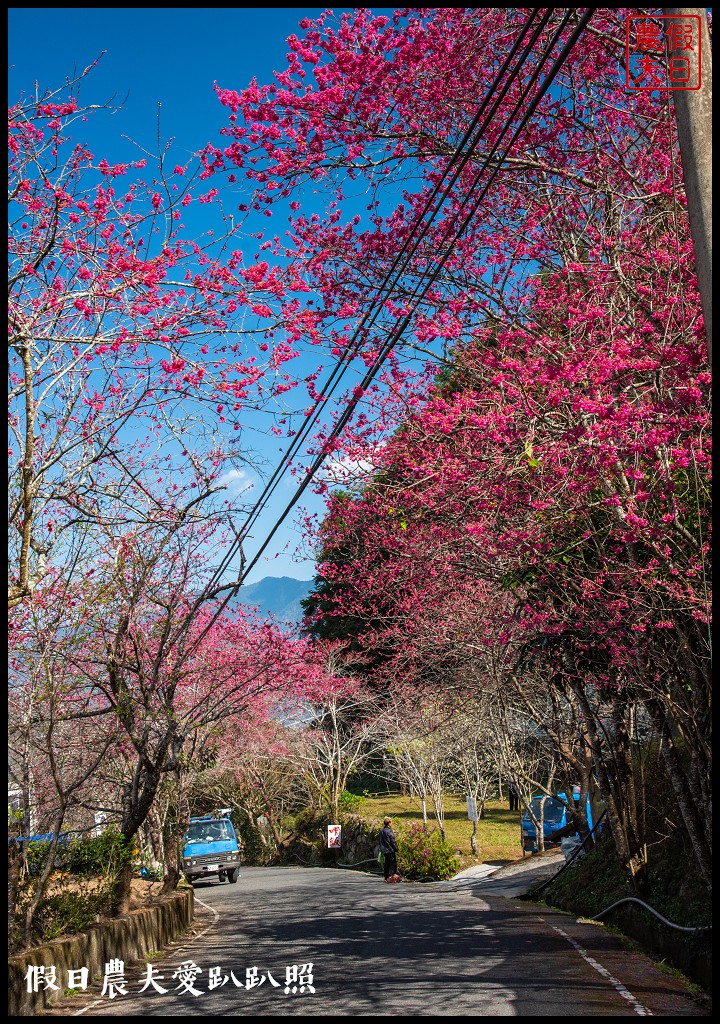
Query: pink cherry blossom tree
x: 560, y: 471
x: 139, y: 346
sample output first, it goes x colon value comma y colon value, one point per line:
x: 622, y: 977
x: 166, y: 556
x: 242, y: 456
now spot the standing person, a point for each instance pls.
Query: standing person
x: 513, y: 796
x: 389, y: 850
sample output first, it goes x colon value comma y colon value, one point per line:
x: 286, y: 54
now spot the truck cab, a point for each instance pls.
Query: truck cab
x: 211, y: 848
x: 555, y: 817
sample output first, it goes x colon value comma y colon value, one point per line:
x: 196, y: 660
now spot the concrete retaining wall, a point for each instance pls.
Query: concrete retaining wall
x: 126, y: 938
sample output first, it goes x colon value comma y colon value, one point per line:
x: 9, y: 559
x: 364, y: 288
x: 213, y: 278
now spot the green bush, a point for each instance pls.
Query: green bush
x: 423, y: 853
x: 257, y: 847
x: 105, y: 854
x: 308, y: 820
x: 350, y: 803
x: 67, y: 913
x: 37, y: 855
x: 64, y: 912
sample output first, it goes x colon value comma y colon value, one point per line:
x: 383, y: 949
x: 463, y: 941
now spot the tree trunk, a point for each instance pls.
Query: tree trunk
x: 138, y: 796
x: 540, y: 829
x: 171, y: 878
x: 122, y: 891
x: 174, y: 845
x: 691, y: 817
x: 44, y: 877
x: 624, y: 836
x: 173, y: 861
x: 157, y: 843
x: 14, y: 862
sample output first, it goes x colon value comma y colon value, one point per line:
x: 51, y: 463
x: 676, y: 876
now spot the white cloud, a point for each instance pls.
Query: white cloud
x: 347, y: 471
x: 237, y: 482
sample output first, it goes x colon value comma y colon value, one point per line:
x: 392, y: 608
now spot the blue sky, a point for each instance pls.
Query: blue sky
x: 169, y: 57
x: 153, y: 56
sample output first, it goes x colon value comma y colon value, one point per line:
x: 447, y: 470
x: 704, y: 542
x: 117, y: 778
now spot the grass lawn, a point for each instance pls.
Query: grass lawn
x: 498, y: 833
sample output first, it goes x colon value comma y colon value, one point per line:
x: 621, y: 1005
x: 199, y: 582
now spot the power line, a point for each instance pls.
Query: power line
x: 420, y: 289
x: 399, y: 329
x: 352, y: 346
x: 459, y: 158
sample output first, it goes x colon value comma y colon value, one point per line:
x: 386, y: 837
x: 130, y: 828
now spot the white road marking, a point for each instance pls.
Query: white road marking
x: 641, y: 1010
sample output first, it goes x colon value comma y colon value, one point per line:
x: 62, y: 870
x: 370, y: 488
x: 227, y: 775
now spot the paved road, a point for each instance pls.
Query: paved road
x: 441, y: 949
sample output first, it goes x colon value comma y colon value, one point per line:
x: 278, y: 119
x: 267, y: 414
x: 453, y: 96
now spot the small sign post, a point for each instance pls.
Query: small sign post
x: 334, y: 839
x: 472, y: 808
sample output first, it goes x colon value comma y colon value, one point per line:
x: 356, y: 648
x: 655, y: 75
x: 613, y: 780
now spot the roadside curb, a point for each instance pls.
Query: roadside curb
x: 127, y: 938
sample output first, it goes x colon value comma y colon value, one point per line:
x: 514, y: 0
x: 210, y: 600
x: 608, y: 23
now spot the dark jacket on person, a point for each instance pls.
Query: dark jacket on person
x: 388, y: 843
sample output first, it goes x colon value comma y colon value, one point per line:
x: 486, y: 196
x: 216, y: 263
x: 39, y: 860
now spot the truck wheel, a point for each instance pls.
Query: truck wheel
x: 232, y: 876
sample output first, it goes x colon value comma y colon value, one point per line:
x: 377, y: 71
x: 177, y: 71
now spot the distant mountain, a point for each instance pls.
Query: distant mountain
x: 278, y: 596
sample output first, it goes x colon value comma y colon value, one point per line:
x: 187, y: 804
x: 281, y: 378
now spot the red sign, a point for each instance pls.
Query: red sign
x: 334, y: 837
x: 662, y: 52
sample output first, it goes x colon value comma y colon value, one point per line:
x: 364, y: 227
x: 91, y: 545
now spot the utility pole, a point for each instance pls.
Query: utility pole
x: 693, y: 115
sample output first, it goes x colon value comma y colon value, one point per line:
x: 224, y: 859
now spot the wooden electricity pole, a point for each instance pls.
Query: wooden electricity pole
x: 693, y: 114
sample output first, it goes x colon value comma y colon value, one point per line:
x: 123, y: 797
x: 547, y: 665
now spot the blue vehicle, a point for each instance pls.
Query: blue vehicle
x: 44, y: 840
x: 555, y: 816
x: 46, y: 837
x: 210, y: 847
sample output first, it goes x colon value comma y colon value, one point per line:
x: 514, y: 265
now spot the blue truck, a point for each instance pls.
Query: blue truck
x: 43, y: 840
x: 211, y: 848
x: 555, y: 815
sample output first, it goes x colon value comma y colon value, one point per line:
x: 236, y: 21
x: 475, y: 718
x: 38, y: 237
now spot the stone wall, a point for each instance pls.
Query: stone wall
x: 308, y: 846
x: 360, y: 839
x: 126, y: 938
